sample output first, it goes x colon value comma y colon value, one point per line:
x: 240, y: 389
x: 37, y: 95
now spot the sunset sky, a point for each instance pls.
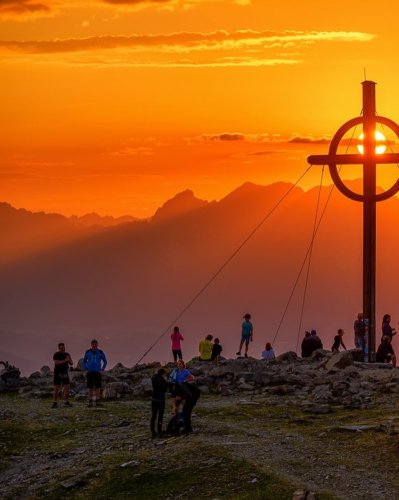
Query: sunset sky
x: 115, y: 106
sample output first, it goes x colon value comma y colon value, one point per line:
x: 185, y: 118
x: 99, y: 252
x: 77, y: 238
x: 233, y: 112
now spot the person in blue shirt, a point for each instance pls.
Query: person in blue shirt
x: 94, y: 363
x: 246, y: 334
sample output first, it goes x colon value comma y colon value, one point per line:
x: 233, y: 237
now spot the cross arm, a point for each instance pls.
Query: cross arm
x: 352, y: 159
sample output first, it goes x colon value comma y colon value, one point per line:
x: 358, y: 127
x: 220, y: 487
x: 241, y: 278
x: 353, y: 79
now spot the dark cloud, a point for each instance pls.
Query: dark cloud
x: 309, y: 140
x: 223, y: 137
x: 22, y: 7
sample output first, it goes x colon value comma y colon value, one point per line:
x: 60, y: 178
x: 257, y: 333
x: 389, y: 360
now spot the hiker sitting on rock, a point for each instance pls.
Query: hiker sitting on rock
x: 268, y: 353
x: 216, y: 351
x: 385, y: 352
x: 338, y: 341
x: 311, y: 342
x: 205, y: 348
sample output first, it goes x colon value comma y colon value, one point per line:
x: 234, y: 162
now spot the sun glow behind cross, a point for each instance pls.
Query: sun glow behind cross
x: 379, y: 148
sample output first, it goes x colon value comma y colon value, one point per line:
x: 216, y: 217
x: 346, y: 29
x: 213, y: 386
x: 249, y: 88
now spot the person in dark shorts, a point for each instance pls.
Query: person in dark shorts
x: 62, y: 360
x: 247, y: 332
x: 176, y: 337
x: 159, y: 389
x: 94, y: 362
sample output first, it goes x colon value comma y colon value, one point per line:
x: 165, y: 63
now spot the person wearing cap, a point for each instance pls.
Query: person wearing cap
x: 94, y: 362
x: 246, y: 334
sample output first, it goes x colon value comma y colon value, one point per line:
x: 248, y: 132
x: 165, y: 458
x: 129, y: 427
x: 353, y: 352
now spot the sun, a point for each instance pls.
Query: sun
x: 379, y: 138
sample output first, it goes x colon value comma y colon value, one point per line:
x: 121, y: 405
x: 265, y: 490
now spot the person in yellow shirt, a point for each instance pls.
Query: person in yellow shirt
x: 205, y: 348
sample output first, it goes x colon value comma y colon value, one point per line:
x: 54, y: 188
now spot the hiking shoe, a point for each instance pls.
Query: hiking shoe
x: 90, y: 404
x: 238, y: 354
x: 67, y: 403
x: 54, y: 405
x: 246, y: 355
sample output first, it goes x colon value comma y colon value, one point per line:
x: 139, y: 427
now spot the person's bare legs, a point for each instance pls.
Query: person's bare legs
x: 239, y: 350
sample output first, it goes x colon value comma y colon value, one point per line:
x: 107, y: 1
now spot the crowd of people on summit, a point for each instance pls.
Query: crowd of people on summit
x: 180, y: 382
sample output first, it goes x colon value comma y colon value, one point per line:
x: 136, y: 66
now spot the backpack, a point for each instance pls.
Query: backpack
x: 176, y: 423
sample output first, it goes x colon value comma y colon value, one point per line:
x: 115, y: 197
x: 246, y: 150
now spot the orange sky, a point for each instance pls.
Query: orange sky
x: 114, y: 106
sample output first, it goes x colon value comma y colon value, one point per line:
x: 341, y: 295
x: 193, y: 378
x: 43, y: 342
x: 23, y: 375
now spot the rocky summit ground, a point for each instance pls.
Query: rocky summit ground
x: 259, y: 442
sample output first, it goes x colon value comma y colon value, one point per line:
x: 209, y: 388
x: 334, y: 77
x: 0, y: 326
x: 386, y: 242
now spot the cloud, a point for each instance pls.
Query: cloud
x: 136, y: 2
x: 170, y: 4
x: 262, y: 138
x: 223, y: 137
x: 22, y: 7
x: 183, y: 41
x: 133, y: 151
x: 309, y: 140
x: 218, y: 49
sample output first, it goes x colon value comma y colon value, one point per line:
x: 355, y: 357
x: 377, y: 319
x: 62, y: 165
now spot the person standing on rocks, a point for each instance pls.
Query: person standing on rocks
x: 338, y: 341
x: 360, y: 332
x: 205, y: 348
x: 176, y: 337
x: 159, y: 389
x: 62, y: 360
x: 247, y: 332
x: 94, y: 362
x: 387, y: 328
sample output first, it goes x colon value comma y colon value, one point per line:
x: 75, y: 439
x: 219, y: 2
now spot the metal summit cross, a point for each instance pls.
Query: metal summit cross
x: 369, y: 158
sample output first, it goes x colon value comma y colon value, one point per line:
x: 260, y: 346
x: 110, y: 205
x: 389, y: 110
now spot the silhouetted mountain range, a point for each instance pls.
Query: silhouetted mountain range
x: 29, y: 232
x: 127, y: 283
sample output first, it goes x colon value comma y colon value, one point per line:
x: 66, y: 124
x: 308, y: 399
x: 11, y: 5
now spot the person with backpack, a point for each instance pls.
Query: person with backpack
x: 184, y: 392
x: 159, y: 389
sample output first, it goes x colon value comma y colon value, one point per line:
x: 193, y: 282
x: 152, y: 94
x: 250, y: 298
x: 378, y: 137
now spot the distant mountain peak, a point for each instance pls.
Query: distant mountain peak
x: 93, y: 219
x: 182, y: 203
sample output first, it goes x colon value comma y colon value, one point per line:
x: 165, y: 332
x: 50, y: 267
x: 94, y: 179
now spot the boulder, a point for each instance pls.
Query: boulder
x: 339, y: 360
x: 80, y: 365
x: 45, y: 370
x: 287, y: 357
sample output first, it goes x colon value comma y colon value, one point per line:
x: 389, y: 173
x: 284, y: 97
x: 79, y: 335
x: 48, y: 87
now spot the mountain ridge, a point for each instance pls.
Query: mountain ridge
x: 126, y: 283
